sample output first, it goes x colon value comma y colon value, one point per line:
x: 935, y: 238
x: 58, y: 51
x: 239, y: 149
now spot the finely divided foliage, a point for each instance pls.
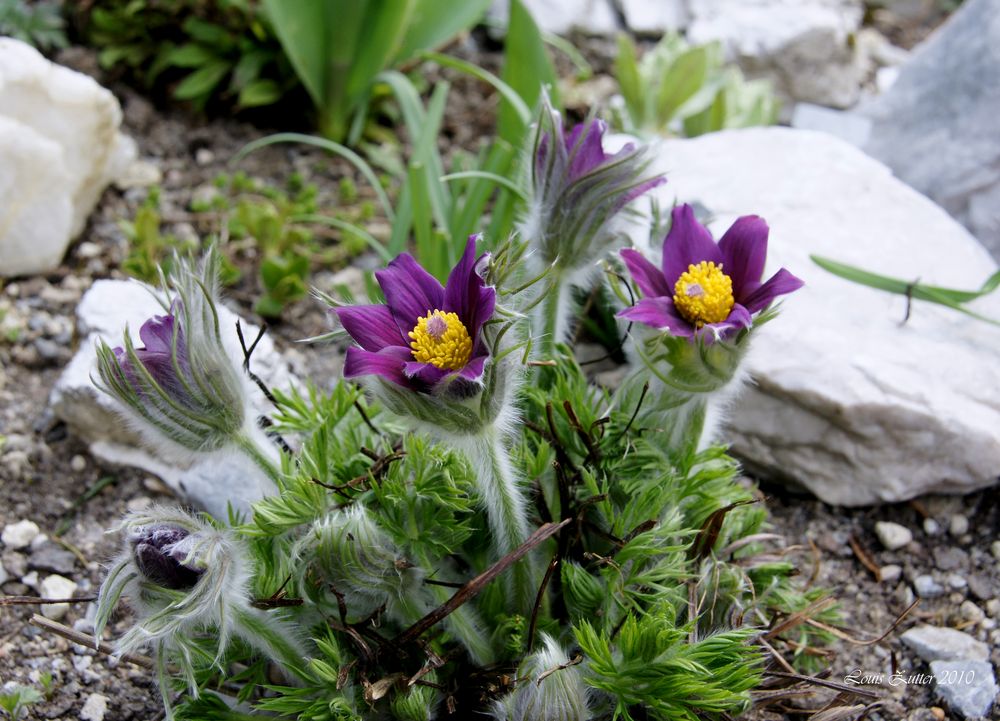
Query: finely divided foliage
x: 478, y: 529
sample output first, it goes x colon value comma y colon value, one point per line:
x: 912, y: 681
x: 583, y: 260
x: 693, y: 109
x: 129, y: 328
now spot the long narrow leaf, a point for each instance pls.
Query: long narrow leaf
x: 508, y: 93
x: 351, y: 228
x: 493, y: 177
x: 527, y: 68
x: 434, y: 22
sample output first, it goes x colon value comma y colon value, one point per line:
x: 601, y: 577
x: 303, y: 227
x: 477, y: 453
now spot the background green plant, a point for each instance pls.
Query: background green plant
x: 677, y: 88
x: 39, y: 23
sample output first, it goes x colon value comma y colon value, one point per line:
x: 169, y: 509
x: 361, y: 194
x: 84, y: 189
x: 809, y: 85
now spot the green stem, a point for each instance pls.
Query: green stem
x: 260, y: 458
x: 506, y: 511
x: 257, y: 629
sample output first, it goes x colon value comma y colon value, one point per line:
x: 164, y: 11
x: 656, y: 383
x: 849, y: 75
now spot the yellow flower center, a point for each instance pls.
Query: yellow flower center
x: 704, y: 294
x: 440, y: 339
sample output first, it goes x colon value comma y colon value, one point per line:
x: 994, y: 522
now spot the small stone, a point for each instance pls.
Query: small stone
x: 995, y: 550
x: 931, y: 527
x: 56, y: 586
x: 968, y: 687
x: 892, y: 535
x: 969, y: 611
x: 958, y: 525
x: 78, y: 464
x: 981, y: 587
x: 938, y: 713
x: 30, y: 579
x: 988, y: 624
x: 993, y: 607
x: 890, y: 573
x: 927, y: 587
x: 19, y: 535
x: 956, y: 581
x: 139, y: 504
x: 204, y: 156
x: 3, y: 575
x: 88, y: 250
x: 950, y: 558
x: 94, y: 707
x: 938, y: 643
x: 15, y: 563
x: 40, y: 540
x: 54, y: 559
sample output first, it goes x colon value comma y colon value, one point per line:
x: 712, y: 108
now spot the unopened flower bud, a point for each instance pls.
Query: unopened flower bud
x: 161, y: 555
x: 549, y: 688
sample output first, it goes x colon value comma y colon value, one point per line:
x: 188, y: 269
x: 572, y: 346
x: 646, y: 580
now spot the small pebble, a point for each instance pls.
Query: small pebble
x: 87, y: 250
x: 19, y: 535
x: 938, y: 712
x: 40, y: 540
x: 969, y: 611
x: 950, y: 558
x: 892, y: 535
x: 30, y: 579
x: 78, y: 464
x: 958, y: 525
x: 995, y: 549
x: 56, y: 586
x: 956, y: 581
x: 993, y: 607
x: 139, y: 504
x: 204, y: 156
x: 94, y: 707
x: 931, y: 527
x: 988, y: 624
x: 15, y: 563
x: 927, y: 587
x: 890, y: 573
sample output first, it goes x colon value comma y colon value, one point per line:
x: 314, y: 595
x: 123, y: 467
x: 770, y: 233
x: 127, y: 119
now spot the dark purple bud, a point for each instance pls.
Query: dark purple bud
x: 160, y: 556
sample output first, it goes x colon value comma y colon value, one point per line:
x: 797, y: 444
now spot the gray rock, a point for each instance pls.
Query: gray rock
x: 981, y: 587
x: 54, y: 559
x: 927, y: 587
x: 931, y: 527
x: 890, y: 573
x: 968, y: 687
x: 56, y: 586
x: 94, y: 707
x: 936, y: 126
x: 938, y: 643
x: 210, y: 483
x: 807, y: 46
x: 892, y: 535
x: 848, y: 126
x: 893, y: 411
x: 950, y: 558
x: 958, y: 525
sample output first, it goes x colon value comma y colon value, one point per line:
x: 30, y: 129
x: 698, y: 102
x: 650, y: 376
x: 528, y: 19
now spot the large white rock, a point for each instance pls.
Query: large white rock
x: 806, y: 46
x: 563, y: 16
x: 59, y: 145
x: 848, y: 401
x: 93, y: 416
x: 937, y: 128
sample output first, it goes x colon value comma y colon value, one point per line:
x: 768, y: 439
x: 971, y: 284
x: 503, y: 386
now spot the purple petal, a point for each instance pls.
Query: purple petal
x: 647, y: 276
x: 473, y: 370
x: 658, y: 313
x: 372, y: 326
x: 157, y: 334
x: 687, y: 243
x: 780, y: 283
x: 639, y: 190
x: 586, y: 152
x: 466, y: 293
x: 387, y: 363
x: 744, y: 250
x: 426, y: 372
x: 410, y: 291
x: 739, y: 318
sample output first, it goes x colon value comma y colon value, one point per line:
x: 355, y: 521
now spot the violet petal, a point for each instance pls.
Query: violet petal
x: 687, y: 243
x: 647, y: 276
x: 410, y: 291
x: 780, y: 283
x: 744, y: 250
x: 372, y: 326
x: 659, y: 313
x: 387, y: 363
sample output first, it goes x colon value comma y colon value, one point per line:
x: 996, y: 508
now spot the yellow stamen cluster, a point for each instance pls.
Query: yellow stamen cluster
x: 704, y: 294
x: 440, y: 339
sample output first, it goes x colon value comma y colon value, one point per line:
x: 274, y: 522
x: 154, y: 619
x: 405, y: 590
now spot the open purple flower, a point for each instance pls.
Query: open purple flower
x: 706, y: 289
x: 425, y: 334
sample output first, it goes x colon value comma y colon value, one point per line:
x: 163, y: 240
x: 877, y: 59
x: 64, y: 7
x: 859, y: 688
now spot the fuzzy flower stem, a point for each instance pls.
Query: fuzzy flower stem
x: 505, y: 508
x: 259, y: 456
x: 254, y: 625
x: 552, y: 311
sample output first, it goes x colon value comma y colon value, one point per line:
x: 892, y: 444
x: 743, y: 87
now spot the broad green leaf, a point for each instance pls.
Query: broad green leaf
x: 381, y: 37
x: 685, y: 77
x: 190, y: 55
x: 527, y: 68
x: 435, y: 22
x: 258, y: 93
x: 626, y: 69
x: 200, y: 83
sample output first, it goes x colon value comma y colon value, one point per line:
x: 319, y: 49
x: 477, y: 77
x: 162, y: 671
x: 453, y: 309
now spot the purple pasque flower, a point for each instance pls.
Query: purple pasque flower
x: 425, y: 334
x: 161, y: 554
x: 706, y: 289
x: 157, y: 354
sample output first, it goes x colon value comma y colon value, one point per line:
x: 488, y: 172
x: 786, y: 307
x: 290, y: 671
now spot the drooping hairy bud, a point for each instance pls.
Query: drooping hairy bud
x: 549, y: 688
x: 161, y: 554
x: 362, y: 563
x: 182, y: 386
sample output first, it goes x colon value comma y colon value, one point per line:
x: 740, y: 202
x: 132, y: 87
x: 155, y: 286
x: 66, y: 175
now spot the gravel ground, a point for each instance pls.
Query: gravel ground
x: 952, y: 559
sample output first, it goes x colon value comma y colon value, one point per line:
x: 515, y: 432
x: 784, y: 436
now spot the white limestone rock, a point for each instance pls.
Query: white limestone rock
x: 56, y: 586
x: 936, y: 127
x: 19, y: 535
x: 940, y: 643
x: 656, y: 17
x: 103, y: 312
x: 967, y: 687
x: 563, y: 16
x: 848, y: 401
x: 59, y: 144
x: 806, y: 46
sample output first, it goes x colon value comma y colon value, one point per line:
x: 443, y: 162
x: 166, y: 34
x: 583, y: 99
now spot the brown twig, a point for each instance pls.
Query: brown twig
x: 477, y: 584
x: 862, y: 554
x: 33, y: 601
x: 553, y: 564
x: 84, y: 640
x: 856, y: 641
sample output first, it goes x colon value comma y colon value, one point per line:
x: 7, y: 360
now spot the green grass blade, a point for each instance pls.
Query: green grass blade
x: 493, y: 177
x: 527, y: 68
x: 343, y: 225
x: 334, y: 147
x: 508, y: 93
x: 435, y: 22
